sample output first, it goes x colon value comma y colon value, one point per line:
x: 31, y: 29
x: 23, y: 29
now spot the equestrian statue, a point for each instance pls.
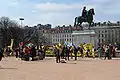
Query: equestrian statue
x: 87, y: 16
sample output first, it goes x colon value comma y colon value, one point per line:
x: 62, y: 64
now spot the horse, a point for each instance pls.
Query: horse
x: 79, y: 20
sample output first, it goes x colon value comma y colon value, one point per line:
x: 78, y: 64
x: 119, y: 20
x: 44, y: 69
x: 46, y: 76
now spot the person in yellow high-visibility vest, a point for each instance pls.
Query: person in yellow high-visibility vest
x: 57, y: 54
x: 71, y: 51
x: 93, y: 52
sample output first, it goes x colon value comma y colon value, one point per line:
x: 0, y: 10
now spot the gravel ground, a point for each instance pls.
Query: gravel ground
x: 82, y: 69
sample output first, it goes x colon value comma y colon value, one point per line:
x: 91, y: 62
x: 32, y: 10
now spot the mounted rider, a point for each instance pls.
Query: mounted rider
x: 84, y: 13
x: 87, y: 16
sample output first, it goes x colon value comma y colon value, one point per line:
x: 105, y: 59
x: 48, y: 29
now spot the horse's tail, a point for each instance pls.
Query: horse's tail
x: 75, y: 21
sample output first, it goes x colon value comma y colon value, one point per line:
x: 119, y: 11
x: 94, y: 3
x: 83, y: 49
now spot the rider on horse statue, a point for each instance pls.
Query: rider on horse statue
x: 87, y: 16
x: 84, y: 13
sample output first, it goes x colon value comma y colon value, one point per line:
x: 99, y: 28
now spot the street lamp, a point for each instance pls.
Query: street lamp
x: 21, y: 19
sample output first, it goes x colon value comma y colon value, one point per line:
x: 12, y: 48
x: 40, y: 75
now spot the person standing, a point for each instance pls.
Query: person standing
x: 81, y: 48
x: 57, y: 54
x: 16, y: 51
x: 43, y: 50
x: 106, y: 52
x: 114, y: 51
x: 100, y: 52
x: 87, y: 53
x: 40, y: 53
x: 93, y: 52
x: 65, y: 51
x: 33, y: 52
x: 27, y: 53
x: 71, y: 51
x: 110, y: 51
x: 75, y: 52
x: 1, y: 53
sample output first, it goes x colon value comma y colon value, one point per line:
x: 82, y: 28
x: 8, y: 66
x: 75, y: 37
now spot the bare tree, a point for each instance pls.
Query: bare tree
x: 4, y: 22
x: 10, y: 30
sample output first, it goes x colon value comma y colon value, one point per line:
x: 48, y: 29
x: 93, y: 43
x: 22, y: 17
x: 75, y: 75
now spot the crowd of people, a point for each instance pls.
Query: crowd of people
x: 103, y: 52
x: 26, y: 52
x: 60, y: 51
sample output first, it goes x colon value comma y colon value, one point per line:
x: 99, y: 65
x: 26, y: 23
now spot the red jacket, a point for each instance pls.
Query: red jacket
x: 27, y: 51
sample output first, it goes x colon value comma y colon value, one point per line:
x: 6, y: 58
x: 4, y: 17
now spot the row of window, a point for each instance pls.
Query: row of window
x: 102, y: 35
x: 110, y: 30
x: 65, y: 35
x: 57, y: 40
x: 63, y: 31
x: 111, y: 40
x: 102, y: 31
x: 106, y: 35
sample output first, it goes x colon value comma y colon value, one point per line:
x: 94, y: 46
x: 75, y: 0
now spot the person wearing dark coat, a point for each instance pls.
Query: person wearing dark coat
x: 21, y: 53
x: 81, y: 51
x: 33, y: 53
x: 57, y: 55
x: 75, y: 52
x: 44, y: 50
x: 106, y: 52
x: 16, y: 51
x: 110, y: 51
x: 1, y: 53
x: 65, y: 51
x: 27, y: 53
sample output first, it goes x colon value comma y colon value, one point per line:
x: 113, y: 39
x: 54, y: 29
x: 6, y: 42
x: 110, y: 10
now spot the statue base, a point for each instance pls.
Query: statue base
x: 84, y: 36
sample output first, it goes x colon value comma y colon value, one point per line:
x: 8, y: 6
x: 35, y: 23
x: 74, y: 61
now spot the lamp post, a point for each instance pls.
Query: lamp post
x: 21, y: 19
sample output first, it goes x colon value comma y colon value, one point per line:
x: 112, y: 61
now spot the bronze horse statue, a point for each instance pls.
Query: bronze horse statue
x: 89, y: 18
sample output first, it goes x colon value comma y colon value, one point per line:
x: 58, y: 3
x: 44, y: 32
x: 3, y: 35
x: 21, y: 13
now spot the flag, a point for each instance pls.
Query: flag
x: 89, y: 45
x: 59, y: 44
x: 85, y: 47
x: 11, y: 45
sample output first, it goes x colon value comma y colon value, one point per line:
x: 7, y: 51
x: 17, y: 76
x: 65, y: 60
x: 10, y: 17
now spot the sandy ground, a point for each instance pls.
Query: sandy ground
x: 83, y: 69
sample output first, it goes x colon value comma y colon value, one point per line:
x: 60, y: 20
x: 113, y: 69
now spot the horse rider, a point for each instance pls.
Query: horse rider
x: 84, y: 12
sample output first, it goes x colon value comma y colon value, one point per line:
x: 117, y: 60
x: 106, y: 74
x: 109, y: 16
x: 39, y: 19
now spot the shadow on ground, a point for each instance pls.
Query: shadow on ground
x: 71, y: 63
x: 83, y: 60
x: 48, y: 58
x: 7, y: 68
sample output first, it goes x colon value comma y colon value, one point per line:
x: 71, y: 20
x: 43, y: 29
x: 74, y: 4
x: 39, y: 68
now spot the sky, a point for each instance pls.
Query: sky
x: 58, y: 12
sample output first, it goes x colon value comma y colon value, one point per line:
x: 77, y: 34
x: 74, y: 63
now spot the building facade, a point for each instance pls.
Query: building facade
x: 107, y: 34
x: 104, y: 33
x: 63, y: 34
x: 45, y: 30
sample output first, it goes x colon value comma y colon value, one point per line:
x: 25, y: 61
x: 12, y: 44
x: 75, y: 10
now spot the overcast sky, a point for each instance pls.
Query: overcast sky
x: 58, y: 12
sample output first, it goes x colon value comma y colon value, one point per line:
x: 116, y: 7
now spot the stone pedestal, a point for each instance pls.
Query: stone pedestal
x: 84, y: 36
